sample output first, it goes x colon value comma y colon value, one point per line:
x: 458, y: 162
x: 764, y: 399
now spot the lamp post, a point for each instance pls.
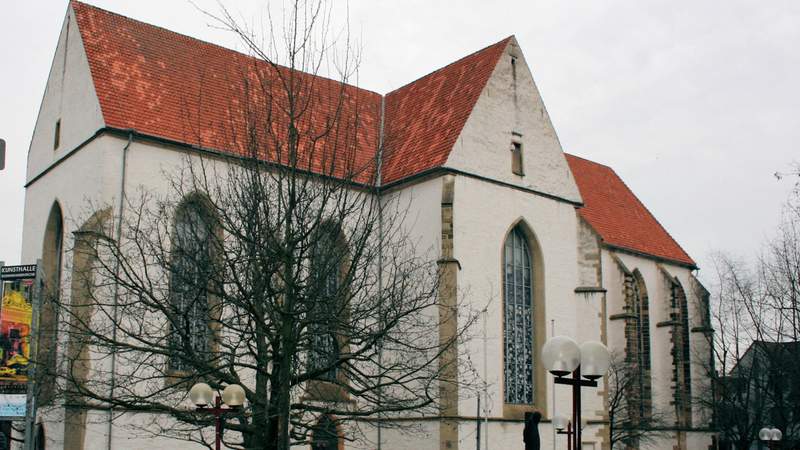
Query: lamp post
x: 561, y: 356
x: 771, y: 436
x: 563, y: 426
x: 201, y: 396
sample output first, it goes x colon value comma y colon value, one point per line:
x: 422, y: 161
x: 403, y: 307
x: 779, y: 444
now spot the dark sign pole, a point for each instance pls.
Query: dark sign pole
x: 2, y: 154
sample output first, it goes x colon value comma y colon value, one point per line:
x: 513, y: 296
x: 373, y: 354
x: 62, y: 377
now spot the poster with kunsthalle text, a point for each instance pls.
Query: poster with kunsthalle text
x: 16, y: 314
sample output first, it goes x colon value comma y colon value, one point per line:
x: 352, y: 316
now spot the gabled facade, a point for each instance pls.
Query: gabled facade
x: 545, y: 243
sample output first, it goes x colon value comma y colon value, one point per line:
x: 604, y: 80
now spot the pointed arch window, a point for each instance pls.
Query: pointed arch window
x: 52, y: 254
x: 518, y: 318
x: 638, y: 351
x: 328, y: 257
x: 681, y: 354
x: 325, y: 435
x: 191, y: 275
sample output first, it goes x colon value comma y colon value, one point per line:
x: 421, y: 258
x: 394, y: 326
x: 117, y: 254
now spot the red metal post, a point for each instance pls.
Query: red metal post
x: 218, y: 418
x: 569, y: 436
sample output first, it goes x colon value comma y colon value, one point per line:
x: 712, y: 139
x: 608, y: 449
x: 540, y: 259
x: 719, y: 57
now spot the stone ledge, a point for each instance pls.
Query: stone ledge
x: 590, y: 290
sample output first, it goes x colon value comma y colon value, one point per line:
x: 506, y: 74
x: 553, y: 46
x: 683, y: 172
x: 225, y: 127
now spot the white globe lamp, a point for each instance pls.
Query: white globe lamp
x: 595, y: 360
x: 560, y: 422
x: 233, y: 395
x: 201, y: 394
x: 561, y: 355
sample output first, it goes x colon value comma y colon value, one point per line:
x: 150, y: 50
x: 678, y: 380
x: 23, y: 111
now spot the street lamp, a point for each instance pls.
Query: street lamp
x: 562, y: 355
x: 201, y: 396
x: 563, y: 426
x: 771, y: 436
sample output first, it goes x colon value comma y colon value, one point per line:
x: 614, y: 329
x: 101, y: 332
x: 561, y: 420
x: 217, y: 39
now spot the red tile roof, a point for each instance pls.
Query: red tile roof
x: 424, y: 118
x: 171, y: 86
x: 615, y: 213
x: 167, y: 85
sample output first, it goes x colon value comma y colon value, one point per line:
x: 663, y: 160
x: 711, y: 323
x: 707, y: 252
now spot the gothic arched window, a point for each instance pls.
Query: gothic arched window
x: 638, y: 351
x: 328, y: 257
x: 681, y: 354
x: 325, y: 435
x: 52, y: 265
x: 518, y: 318
x: 191, y: 274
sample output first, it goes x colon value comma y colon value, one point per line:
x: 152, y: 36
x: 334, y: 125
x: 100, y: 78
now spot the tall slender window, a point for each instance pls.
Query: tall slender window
x: 681, y: 355
x: 638, y: 350
x: 518, y: 319
x: 327, y: 256
x: 191, y: 274
x: 52, y: 249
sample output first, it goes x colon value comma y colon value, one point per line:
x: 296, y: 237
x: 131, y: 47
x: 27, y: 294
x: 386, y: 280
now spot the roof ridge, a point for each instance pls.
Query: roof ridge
x: 450, y: 64
x: 588, y: 160
x: 212, y: 44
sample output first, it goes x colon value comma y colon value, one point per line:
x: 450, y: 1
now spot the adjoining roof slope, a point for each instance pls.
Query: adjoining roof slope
x: 171, y: 86
x: 424, y: 118
x: 615, y: 213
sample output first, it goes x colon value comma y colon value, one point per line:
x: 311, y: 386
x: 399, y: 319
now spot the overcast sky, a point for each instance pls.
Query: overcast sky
x: 694, y: 104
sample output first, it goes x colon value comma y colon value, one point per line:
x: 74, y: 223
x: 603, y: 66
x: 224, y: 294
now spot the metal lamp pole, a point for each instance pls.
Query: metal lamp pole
x: 771, y: 436
x: 577, y: 383
x: 232, y: 396
x: 562, y: 355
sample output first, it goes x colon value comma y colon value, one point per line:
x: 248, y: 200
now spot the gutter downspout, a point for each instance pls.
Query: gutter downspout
x: 118, y: 235
x: 379, y: 181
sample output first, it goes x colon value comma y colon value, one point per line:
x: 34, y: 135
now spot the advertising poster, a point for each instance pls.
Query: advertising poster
x: 16, y: 314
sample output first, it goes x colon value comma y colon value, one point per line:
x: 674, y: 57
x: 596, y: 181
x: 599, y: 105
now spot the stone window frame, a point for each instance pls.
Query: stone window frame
x: 637, y: 304
x: 680, y: 339
x: 333, y: 389
x: 206, y: 211
x: 52, y: 267
x: 516, y: 411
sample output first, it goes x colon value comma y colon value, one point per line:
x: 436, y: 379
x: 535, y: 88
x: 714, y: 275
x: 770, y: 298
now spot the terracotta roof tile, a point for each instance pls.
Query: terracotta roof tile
x: 424, y: 118
x: 171, y: 86
x: 167, y: 85
x: 615, y: 213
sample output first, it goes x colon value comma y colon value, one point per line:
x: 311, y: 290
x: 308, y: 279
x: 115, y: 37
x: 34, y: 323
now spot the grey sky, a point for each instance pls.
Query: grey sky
x: 694, y: 104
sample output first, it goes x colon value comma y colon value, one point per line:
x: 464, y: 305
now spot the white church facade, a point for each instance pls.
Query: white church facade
x: 545, y: 243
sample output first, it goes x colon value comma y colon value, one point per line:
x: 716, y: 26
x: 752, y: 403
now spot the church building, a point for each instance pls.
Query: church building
x: 542, y: 242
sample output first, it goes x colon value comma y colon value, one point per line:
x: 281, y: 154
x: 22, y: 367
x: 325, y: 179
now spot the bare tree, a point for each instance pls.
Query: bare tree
x: 628, y: 428
x: 755, y: 316
x: 282, y: 268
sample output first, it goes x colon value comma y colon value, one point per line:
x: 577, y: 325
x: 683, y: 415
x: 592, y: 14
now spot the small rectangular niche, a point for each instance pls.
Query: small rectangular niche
x: 57, y: 136
x: 516, y: 158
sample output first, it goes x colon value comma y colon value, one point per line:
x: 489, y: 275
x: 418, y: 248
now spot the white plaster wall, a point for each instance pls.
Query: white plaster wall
x: 484, y: 144
x: 91, y: 178
x: 419, y: 206
x: 483, y: 215
x: 69, y: 95
x: 660, y: 344
x: 88, y: 177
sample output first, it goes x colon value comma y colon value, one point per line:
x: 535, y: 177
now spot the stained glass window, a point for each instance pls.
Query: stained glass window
x: 191, y: 271
x: 518, y: 319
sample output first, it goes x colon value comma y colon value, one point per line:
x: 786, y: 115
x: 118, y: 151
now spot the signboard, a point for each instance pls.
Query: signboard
x: 16, y: 314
